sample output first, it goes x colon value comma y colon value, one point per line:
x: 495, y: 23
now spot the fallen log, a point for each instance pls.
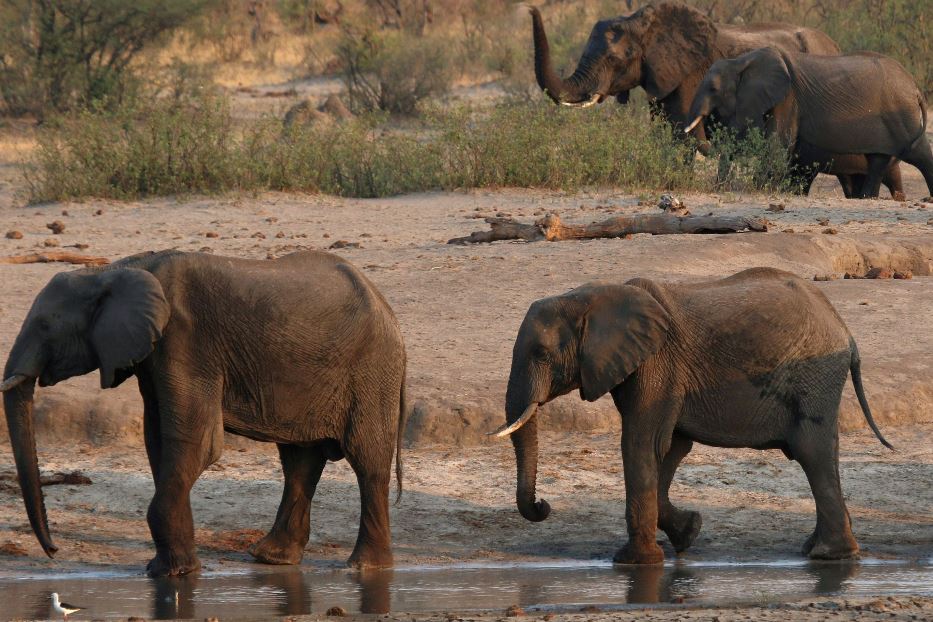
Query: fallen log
x: 52, y: 256
x: 551, y: 228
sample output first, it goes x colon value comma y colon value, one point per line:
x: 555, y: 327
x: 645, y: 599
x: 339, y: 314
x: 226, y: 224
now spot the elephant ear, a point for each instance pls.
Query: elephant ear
x: 623, y: 326
x: 678, y: 42
x: 764, y: 82
x: 131, y: 314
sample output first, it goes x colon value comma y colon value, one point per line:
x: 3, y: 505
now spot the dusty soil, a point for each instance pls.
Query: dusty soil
x: 460, y: 308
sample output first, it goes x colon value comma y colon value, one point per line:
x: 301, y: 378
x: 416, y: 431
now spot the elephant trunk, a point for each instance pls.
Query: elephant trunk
x: 567, y: 92
x: 525, y: 442
x: 699, y: 110
x: 18, y: 401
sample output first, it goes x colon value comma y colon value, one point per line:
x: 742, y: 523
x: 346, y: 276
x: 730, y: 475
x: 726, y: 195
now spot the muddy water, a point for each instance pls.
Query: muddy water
x: 560, y: 586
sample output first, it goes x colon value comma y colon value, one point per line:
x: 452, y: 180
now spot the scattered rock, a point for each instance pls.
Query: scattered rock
x: 280, y: 234
x: 81, y: 246
x: 326, y: 235
x: 879, y: 273
x: 775, y: 207
x: 212, y: 234
x: 259, y: 235
x: 272, y: 219
x: 11, y: 548
x: 99, y: 212
x: 830, y: 231
x: 823, y: 222
x: 345, y: 244
x: 57, y: 227
x: 548, y: 617
x: 205, y: 249
x: 337, y: 612
x: 788, y: 230
x: 366, y: 235
x: 13, y: 234
x: 64, y: 212
x: 514, y: 612
x: 905, y: 275
x: 825, y: 277
x: 51, y: 243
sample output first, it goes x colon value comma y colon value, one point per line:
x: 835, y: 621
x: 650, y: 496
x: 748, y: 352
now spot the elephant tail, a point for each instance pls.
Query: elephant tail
x: 923, y: 126
x: 855, y: 366
x: 402, y: 410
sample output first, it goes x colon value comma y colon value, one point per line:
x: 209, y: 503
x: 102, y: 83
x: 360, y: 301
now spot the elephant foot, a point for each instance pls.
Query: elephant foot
x: 271, y: 550
x: 817, y: 548
x: 628, y: 554
x: 371, y: 558
x: 168, y: 564
x: 684, y: 530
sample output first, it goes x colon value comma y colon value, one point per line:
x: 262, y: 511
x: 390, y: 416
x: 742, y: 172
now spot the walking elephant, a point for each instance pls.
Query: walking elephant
x: 302, y: 351
x: 666, y: 49
x: 862, y: 103
x: 756, y: 360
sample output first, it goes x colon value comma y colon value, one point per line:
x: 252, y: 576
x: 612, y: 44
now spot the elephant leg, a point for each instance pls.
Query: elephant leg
x: 921, y: 156
x: 892, y: 179
x: 877, y: 165
x: 151, y: 427
x: 641, y: 465
x: 851, y: 184
x: 285, y: 542
x: 818, y: 454
x: 681, y: 526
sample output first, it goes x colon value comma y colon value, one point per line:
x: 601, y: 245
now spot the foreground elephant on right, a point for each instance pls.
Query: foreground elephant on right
x: 666, y: 49
x: 862, y: 103
x: 757, y: 360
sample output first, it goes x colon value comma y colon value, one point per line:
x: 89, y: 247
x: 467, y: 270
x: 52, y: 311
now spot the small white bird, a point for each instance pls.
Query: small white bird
x: 63, y: 608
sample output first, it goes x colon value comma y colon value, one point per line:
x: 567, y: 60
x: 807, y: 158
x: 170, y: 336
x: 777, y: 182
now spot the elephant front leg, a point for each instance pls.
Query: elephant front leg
x: 285, y: 542
x: 641, y: 466
x: 171, y: 523
x: 681, y: 526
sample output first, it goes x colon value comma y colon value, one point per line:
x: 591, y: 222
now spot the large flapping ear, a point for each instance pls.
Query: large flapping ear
x: 623, y: 326
x: 131, y: 314
x: 678, y: 42
x: 764, y: 82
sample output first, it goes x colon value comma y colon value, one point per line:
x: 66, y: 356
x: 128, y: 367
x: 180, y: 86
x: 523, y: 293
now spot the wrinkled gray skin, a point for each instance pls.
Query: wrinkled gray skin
x: 757, y: 360
x: 667, y: 49
x: 301, y: 351
x: 862, y: 103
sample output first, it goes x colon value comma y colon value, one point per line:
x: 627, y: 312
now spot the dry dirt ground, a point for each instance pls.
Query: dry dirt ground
x: 459, y: 307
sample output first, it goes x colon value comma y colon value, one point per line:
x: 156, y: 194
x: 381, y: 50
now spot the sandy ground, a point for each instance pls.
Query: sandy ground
x: 460, y: 308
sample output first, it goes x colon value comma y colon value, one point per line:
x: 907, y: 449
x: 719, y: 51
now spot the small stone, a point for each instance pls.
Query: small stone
x: 879, y: 273
x: 212, y: 234
x: 788, y: 230
x: 326, y: 235
x: 14, y: 235
x: 337, y: 612
x: 775, y: 207
x: 902, y: 218
x: 280, y: 234
x: 904, y: 275
x: 272, y: 219
x: 825, y: 277
x: 99, y: 212
x: 823, y: 222
x: 50, y: 243
x: 514, y: 612
x: 830, y: 231
x: 260, y: 235
x: 57, y: 227
x: 205, y: 249
x: 64, y: 212
x: 366, y: 235
x: 548, y: 617
x: 345, y: 244
x: 81, y: 246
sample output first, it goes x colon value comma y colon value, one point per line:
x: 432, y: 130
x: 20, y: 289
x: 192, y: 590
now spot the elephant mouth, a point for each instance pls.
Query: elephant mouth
x: 593, y: 99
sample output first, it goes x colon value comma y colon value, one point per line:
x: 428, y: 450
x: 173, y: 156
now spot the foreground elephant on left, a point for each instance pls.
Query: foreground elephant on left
x: 302, y: 351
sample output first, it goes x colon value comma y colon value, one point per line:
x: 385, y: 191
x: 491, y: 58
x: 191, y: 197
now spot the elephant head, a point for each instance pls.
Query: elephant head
x: 81, y: 321
x: 742, y: 90
x: 591, y: 339
x: 656, y: 47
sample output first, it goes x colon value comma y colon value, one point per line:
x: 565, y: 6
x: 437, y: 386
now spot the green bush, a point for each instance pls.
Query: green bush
x: 63, y: 54
x: 753, y: 163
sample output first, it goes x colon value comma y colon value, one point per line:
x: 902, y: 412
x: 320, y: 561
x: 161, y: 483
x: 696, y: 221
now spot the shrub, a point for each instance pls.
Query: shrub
x: 753, y: 163
x: 393, y: 71
x: 62, y: 54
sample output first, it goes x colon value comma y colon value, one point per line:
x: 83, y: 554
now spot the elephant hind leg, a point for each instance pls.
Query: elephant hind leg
x: 681, y: 526
x: 878, y: 163
x: 373, y: 547
x: 285, y: 542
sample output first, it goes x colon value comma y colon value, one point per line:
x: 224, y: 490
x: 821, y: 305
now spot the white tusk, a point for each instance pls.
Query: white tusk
x: 12, y: 381
x: 507, y: 429
x: 591, y: 101
x: 695, y: 123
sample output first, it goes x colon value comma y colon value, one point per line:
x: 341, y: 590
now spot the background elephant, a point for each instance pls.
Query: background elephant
x: 302, y: 351
x: 756, y: 360
x: 855, y: 104
x: 666, y: 49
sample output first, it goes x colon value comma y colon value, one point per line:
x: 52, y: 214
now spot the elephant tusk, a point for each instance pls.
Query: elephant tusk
x: 594, y: 99
x: 695, y: 123
x: 507, y: 429
x: 12, y: 381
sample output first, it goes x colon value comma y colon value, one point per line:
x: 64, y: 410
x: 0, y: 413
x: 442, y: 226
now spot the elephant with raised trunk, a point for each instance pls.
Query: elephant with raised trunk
x: 862, y: 103
x: 666, y: 49
x: 758, y: 359
x: 302, y: 351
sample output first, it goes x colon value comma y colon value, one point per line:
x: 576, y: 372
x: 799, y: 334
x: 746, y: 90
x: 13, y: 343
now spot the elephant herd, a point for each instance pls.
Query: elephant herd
x: 854, y: 115
x: 304, y: 351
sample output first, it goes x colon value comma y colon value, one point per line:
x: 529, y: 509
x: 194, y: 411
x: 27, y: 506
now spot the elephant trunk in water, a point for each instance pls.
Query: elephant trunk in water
x: 17, y: 401
x: 522, y: 425
x: 568, y: 92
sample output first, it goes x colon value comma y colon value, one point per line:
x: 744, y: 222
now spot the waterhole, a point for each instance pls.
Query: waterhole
x: 555, y: 586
